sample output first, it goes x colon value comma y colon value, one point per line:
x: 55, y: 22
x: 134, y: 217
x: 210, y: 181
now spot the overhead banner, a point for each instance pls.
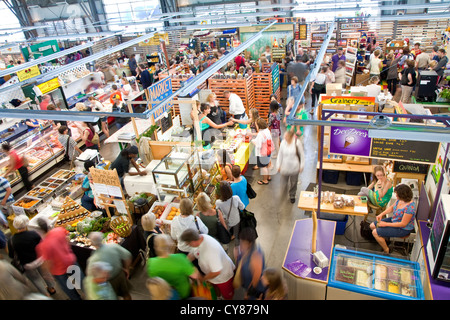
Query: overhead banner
x: 155, y: 40
x: 28, y: 73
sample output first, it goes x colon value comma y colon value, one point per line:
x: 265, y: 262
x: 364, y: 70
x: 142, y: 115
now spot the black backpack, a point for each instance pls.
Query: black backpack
x: 248, y: 220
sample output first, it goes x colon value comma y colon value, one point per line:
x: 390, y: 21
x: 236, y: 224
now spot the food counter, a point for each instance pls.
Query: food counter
x: 361, y: 275
x: 40, y: 147
x: 303, y: 281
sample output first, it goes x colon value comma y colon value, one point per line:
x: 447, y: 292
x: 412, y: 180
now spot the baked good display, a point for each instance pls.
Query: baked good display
x: 393, y: 287
x: 345, y: 274
x: 405, y: 276
x: 362, y: 278
x: 394, y: 273
x: 380, y: 271
x: 380, y: 284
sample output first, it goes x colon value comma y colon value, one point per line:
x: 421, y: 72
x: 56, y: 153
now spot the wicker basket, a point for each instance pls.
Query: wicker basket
x: 121, y: 225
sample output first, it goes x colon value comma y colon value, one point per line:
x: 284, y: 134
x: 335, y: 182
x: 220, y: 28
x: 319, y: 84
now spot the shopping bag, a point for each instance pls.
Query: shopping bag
x: 203, y: 290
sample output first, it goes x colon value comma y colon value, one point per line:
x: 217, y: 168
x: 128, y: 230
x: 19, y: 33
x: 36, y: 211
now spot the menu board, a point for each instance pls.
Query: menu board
x: 406, y: 150
x: 409, y: 167
x: 303, y: 31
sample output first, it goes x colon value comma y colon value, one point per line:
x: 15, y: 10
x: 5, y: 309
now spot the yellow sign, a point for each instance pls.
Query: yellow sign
x: 28, y: 73
x: 155, y: 40
x: 362, y: 101
x: 49, y: 85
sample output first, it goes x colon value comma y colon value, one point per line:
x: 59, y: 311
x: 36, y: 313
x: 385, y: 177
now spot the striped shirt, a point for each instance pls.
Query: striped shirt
x: 4, y: 184
x: 62, y: 138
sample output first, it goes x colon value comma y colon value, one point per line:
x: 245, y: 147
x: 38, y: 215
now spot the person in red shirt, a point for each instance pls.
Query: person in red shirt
x: 240, y: 61
x: 16, y: 162
x: 45, y: 101
x: 59, y: 258
x: 416, y: 50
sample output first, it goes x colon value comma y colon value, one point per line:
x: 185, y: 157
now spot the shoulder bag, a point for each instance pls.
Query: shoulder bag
x: 15, y: 261
x: 223, y: 235
x: 251, y: 194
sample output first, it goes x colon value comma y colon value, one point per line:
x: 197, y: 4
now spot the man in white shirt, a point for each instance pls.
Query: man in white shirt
x: 236, y: 107
x: 213, y: 261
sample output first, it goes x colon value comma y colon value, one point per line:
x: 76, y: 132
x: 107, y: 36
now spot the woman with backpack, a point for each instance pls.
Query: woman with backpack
x: 290, y: 162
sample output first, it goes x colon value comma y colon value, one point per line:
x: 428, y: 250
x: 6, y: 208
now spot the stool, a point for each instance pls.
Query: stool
x: 375, y: 209
x: 141, y: 207
x: 404, y: 247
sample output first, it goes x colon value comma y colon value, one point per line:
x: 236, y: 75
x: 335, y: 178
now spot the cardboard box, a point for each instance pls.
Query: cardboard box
x: 334, y: 89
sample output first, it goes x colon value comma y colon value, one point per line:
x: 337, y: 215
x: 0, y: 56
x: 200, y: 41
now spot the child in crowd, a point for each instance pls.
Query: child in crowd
x: 275, y: 124
x: 275, y: 283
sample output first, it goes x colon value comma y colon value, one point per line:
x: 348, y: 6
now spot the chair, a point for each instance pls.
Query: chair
x: 374, y: 209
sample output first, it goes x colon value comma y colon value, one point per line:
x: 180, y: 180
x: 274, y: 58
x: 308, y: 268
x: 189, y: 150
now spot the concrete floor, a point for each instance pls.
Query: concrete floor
x: 275, y: 214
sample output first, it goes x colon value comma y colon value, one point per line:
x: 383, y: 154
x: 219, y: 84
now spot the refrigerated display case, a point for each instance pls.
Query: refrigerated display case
x: 374, y: 275
x: 178, y: 173
x: 42, y: 150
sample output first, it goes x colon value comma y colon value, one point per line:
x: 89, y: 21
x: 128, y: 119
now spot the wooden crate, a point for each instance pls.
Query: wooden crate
x: 242, y: 87
x: 176, y: 85
x: 262, y: 86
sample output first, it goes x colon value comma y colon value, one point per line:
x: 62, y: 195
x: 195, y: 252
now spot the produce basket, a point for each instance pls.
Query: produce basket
x: 121, y: 225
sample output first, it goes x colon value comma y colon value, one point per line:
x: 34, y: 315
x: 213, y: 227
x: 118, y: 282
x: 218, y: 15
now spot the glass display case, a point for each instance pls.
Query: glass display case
x: 379, y: 276
x: 179, y: 172
x: 39, y: 146
x: 438, y: 245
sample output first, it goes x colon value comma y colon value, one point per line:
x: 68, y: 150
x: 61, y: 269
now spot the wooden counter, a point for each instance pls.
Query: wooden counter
x: 307, y: 202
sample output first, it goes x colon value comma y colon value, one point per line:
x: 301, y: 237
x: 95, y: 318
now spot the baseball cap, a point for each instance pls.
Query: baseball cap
x: 116, y: 97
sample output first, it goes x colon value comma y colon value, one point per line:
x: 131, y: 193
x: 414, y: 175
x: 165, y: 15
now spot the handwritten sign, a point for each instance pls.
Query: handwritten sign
x: 104, y: 177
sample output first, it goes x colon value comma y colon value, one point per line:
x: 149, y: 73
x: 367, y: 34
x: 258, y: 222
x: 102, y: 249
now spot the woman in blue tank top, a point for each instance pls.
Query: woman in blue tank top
x: 250, y: 259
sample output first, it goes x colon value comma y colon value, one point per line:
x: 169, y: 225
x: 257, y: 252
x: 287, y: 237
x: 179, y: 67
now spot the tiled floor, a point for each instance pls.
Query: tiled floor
x: 275, y: 214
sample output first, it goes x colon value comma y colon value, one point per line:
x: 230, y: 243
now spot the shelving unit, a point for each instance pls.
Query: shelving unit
x: 244, y: 88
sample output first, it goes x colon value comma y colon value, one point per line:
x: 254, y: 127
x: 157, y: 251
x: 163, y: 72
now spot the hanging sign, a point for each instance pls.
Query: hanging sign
x: 349, y: 26
x: 302, y: 31
x: 49, y: 86
x: 361, y: 101
x: 155, y: 40
x: 28, y: 73
x: 159, y: 92
x: 350, y: 141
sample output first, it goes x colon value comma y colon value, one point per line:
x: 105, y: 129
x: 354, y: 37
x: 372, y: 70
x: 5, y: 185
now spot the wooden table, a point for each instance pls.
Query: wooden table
x: 364, y: 168
x: 307, y: 202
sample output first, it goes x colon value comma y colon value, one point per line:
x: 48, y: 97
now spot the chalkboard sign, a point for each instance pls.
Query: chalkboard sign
x: 410, y: 167
x: 405, y: 150
x: 165, y: 123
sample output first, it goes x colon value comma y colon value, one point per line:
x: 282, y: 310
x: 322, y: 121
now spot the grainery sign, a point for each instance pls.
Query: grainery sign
x: 360, y: 101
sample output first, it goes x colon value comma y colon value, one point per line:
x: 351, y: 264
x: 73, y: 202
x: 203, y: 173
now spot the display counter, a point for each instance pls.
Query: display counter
x: 357, y: 275
x: 42, y: 149
x: 302, y: 281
